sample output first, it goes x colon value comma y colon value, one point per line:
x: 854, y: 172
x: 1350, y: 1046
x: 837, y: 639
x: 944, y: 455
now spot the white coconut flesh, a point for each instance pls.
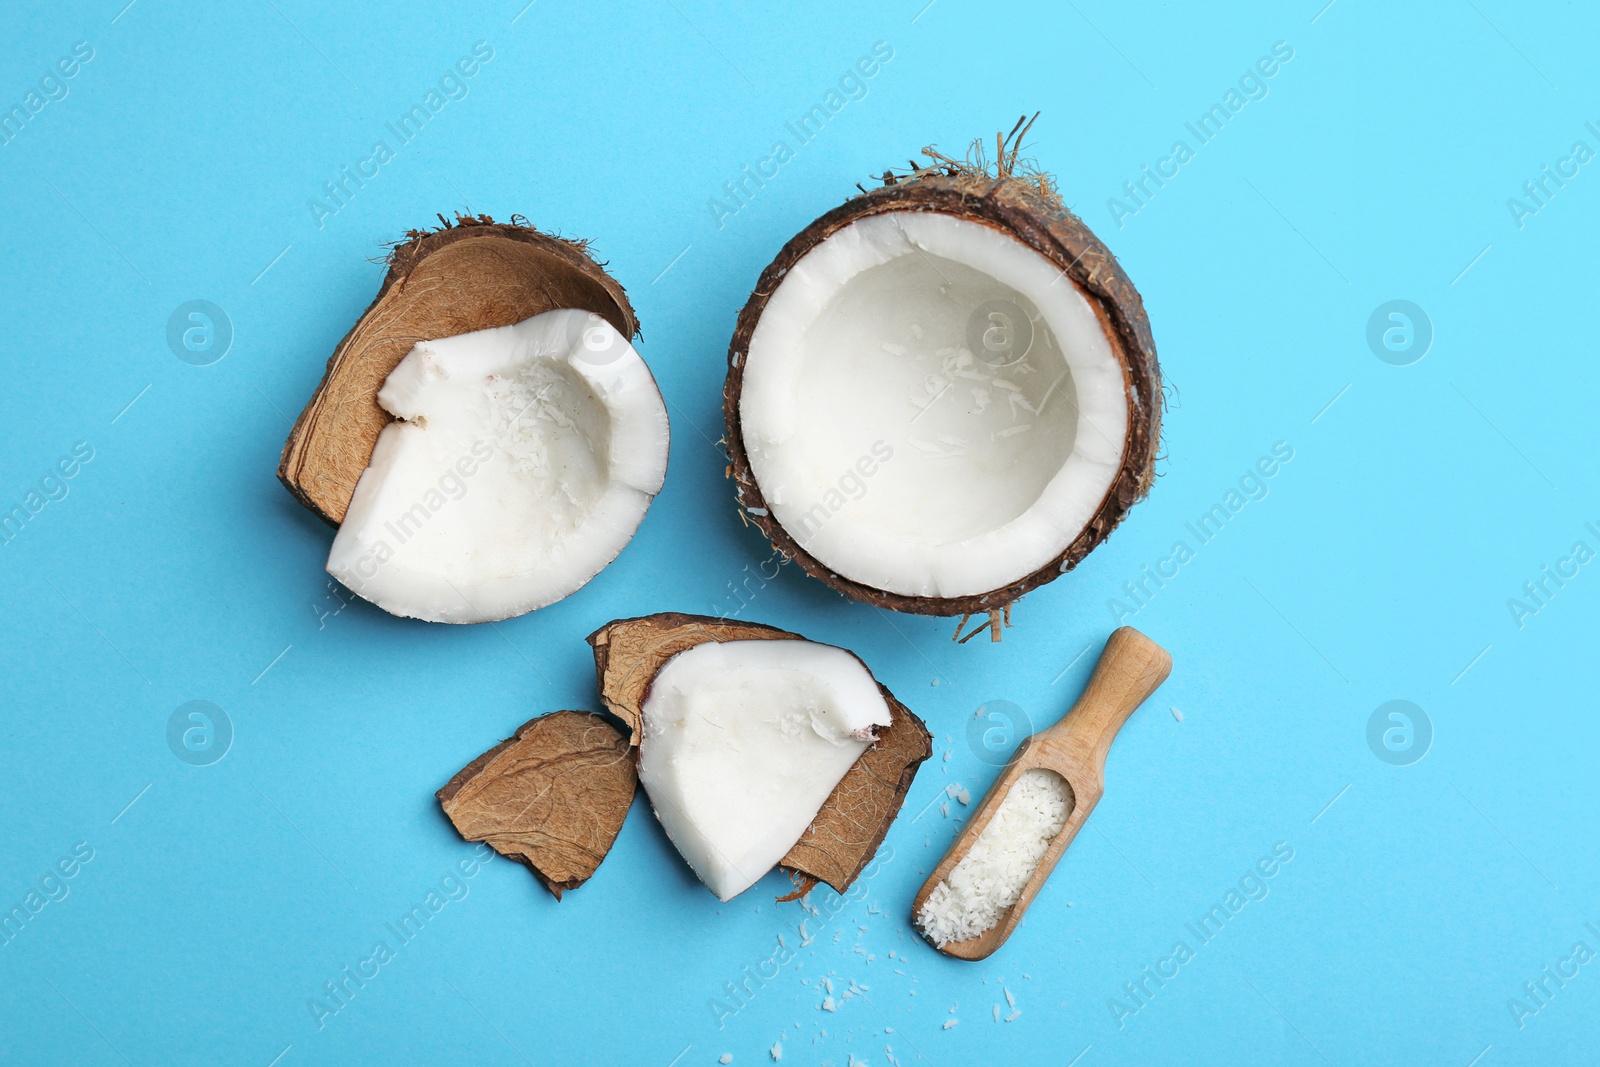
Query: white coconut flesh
x: 522, y: 462
x: 743, y: 741
x: 894, y: 453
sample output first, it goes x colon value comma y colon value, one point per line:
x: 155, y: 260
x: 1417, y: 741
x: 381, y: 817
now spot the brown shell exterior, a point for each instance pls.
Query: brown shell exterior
x: 553, y: 797
x: 470, y: 275
x: 853, y: 821
x: 1016, y: 206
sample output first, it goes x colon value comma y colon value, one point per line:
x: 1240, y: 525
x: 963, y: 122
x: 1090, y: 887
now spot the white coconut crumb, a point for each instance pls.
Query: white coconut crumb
x: 944, y: 809
x: 1013, y: 1017
x: 727, y: 1057
x: 1010, y: 1000
x: 1012, y: 431
x: 888, y: 1029
x: 776, y: 1051
x: 827, y: 983
x: 1176, y: 714
x: 997, y: 1013
x: 947, y: 757
x: 950, y: 1024
x: 1016, y: 401
x: 756, y: 511
x: 964, y: 797
x: 991, y: 876
x: 828, y: 1004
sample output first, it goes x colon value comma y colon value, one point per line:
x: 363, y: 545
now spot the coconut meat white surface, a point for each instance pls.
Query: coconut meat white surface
x: 521, y: 462
x: 743, y: 742
x: 894, y: 452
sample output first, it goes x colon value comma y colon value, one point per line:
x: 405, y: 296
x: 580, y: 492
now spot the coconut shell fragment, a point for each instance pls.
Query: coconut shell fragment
x: 553, y: 797
x: 852, y: 823
x: 473, y: 274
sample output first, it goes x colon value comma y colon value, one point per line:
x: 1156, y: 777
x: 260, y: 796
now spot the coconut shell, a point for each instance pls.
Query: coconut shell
x: 553, y: 797
x: 1026, y: 207
x: 471, y: 275
x: 852, y: 823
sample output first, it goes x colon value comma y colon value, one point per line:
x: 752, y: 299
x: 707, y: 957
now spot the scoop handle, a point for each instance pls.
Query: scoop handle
x: 1130, y: 669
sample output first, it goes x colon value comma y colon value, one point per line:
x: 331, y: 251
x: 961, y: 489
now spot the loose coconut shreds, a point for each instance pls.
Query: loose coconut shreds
x: 988, y: 880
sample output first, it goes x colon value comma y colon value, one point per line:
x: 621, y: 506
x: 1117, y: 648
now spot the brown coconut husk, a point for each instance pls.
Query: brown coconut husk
x: 468, y: 275
x: 1009, y: 194
x: 552, y: 797
x: 852, y: 823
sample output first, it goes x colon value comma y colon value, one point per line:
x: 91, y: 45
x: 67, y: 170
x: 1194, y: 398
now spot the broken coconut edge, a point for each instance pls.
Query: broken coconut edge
x: 1021, y: 202
x: 470, y: 274
x: 585, y: 767
x: 853, y: 821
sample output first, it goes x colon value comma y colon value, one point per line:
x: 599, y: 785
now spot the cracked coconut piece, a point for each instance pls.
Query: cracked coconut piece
x: 850, y: 824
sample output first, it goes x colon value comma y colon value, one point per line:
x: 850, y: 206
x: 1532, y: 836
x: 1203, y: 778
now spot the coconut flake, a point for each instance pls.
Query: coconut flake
x: 989, y: 879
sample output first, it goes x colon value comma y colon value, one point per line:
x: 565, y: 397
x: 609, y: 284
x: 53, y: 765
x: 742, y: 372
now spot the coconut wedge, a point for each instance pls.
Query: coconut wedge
x: 943, y: 393
x: 552, y: 797
x: 759, y: 748
x: 486, y: 437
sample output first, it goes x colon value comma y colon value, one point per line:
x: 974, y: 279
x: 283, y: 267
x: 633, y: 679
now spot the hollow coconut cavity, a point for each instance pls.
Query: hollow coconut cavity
x: 943, y: 393
x: 497, y: 460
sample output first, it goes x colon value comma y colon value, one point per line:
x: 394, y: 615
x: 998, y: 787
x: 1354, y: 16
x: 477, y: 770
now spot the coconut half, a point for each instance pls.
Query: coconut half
x: 530, y: 436
x: 943, y: 393
x: 759, y: 748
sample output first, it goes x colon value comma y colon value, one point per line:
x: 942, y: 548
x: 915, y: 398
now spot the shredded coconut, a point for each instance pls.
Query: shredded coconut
x: 988, y: 880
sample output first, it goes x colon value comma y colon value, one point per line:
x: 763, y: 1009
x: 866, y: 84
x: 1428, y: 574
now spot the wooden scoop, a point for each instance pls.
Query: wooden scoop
x: 1130, y: 669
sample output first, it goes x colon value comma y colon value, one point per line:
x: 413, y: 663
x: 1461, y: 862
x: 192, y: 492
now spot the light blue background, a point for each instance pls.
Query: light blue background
x: 180, y: 167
